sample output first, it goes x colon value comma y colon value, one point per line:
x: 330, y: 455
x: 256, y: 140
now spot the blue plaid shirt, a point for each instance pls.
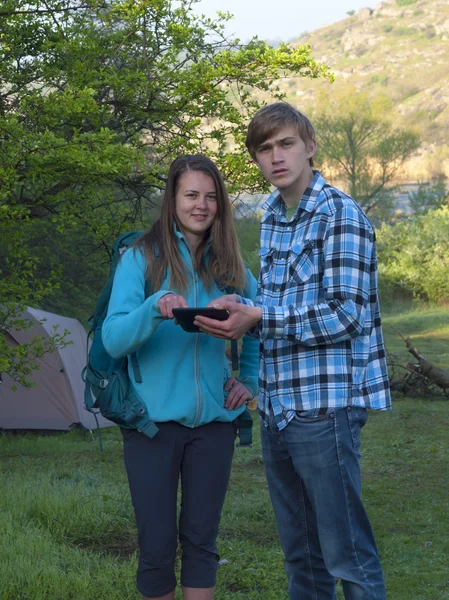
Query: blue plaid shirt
x: 321, y: 344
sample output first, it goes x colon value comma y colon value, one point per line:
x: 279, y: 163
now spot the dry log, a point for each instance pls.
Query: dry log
x: 426, y: 368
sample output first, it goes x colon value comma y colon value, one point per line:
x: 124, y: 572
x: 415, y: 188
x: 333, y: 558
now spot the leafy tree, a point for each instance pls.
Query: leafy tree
x: 78, y: 264
x: 96, y: 98
x: 18, y: 289
x: 358, y: 143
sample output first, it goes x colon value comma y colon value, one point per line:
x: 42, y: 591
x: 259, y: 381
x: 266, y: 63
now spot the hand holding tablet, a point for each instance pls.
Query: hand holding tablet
x: 186, y: 316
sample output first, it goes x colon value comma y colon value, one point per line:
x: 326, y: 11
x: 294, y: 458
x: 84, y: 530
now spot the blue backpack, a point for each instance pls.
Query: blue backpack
x: 107, y: 387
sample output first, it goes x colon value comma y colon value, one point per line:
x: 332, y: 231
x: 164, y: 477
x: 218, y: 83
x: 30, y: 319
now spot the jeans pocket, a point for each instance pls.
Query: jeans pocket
x: 308, y: 420
x: 357, y: 417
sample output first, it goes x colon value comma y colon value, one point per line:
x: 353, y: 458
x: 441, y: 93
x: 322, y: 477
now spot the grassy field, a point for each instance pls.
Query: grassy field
x: 67, y: 527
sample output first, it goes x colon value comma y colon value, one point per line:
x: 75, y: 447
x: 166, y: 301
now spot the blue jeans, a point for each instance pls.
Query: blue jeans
x: 314, y: 479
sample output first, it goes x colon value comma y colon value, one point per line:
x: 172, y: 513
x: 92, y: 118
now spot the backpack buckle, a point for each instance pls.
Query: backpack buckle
x: 103, y: 383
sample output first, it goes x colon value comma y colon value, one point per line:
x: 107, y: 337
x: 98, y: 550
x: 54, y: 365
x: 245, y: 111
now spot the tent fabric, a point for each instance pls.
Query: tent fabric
x: 57, y: 401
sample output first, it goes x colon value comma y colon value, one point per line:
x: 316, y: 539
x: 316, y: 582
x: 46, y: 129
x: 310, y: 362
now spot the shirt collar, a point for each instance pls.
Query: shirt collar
x: 275, y: 204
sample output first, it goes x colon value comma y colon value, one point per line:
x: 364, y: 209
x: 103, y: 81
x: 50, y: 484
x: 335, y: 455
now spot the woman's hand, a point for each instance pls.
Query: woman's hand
x: 167, y: 303
x: 238, y: 394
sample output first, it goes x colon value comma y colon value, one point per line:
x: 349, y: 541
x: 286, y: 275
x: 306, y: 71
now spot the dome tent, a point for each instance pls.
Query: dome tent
x: 57, y: 401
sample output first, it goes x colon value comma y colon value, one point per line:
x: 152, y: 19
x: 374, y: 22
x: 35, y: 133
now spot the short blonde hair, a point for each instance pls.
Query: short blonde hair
x: 269, y: 119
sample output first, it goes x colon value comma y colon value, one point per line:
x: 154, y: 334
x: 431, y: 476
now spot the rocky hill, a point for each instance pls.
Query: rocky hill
x: 399, y: 48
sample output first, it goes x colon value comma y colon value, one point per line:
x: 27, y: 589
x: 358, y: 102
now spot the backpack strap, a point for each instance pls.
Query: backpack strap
x: 234, y: 355
x: 244, y: 423
x: 136, y: 368
x: 234, y: 343
x: 134, y: 361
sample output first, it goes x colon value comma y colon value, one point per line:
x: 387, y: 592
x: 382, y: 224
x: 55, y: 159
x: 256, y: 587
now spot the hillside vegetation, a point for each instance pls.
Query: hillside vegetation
x: 397, y: 49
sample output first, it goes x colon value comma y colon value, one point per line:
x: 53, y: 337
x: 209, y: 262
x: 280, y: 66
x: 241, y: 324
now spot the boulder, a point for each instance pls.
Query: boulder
x: 364, y: 14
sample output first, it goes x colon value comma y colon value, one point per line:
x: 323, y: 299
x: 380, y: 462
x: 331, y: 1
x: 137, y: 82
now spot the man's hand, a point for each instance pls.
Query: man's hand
x: 241, y: 318
x: 238, y: 394
x: 167, y: 303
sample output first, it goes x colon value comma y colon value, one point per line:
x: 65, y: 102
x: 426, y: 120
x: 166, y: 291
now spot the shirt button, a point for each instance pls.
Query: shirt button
x: 278, y: 289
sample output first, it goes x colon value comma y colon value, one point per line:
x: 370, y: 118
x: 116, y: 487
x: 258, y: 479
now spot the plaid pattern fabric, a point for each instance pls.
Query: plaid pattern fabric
x: 320, y: 334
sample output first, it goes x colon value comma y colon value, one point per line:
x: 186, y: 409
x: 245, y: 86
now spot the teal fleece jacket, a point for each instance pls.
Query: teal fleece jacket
x: 183, y: 374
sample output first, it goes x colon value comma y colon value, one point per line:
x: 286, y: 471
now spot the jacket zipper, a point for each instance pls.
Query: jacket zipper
x: 196, y: 359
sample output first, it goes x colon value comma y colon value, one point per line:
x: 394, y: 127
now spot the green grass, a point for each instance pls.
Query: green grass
x: 68, y: 529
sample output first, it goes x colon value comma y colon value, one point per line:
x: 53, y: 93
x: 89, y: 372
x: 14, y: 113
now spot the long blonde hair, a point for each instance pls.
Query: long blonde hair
x: 159, y: 244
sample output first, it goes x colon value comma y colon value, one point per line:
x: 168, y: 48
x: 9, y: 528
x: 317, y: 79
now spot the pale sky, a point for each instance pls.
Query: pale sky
x: 279, y: 19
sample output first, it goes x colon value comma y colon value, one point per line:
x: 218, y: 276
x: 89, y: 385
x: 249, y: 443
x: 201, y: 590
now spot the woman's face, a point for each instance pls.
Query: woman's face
x: 195, y: 205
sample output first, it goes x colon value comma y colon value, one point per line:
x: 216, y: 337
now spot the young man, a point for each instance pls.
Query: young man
x: 322, y: 361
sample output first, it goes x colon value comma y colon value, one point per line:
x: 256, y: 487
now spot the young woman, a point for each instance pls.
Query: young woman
x: 189, y: 256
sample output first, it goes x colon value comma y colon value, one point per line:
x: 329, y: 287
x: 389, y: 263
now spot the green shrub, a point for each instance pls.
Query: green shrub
x: 414, y: 257
x: 429, y: 197
x: 405, y: 2
x: 404, y: 31
x: 382, y: 79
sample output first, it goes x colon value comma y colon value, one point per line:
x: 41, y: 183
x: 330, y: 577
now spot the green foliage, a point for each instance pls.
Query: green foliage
x: 358, y: 143
x: 382, y: 79
x: 97, y: 99
x: 248, y: 233
x: 405, y: 31
x: 20, y: 288
x: 414, y: 256
x: 82, y: 266
x: 406, y: 2
x: 428, y: 197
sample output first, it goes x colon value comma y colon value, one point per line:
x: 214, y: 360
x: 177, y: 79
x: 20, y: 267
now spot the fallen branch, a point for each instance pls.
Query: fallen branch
x: 426, y: 368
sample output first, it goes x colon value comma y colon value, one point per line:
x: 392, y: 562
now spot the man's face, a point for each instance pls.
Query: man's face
x: 284, y: 158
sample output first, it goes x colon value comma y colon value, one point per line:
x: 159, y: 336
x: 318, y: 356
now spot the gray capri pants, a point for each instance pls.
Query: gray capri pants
x: 202, y: 456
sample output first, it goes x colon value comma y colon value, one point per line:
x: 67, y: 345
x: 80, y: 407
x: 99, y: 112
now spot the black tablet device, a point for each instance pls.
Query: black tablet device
x: 186, y: 316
